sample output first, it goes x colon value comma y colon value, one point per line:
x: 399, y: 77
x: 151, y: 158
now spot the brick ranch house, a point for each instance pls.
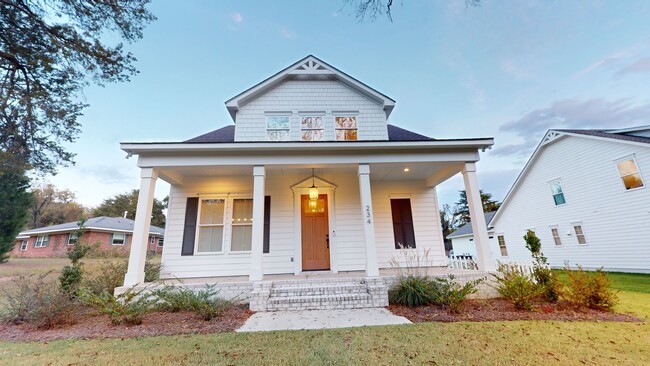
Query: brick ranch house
x: 107, y: 233
x: 307, y: 200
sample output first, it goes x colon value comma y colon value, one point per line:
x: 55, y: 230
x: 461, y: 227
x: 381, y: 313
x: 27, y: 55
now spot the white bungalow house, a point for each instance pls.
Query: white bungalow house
x: 311, y: 181
x: 462, y: 240
x: 584, y: 193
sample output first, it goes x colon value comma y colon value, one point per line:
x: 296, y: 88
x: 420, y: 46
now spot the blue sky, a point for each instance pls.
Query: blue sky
x: 510, y: 70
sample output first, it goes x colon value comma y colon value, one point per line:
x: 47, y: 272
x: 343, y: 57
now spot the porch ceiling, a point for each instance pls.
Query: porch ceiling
x: 433, y: 172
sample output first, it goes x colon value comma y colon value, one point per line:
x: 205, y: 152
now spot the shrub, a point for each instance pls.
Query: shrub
x: 412, y: 290
x: 450, y: 294
x: 515, y: 285
x: 205, y: 303
x: 591, y: 290
x: 550, y: 286
x: 72, y: 275
x: 110, y: 274
x: 127, y: 308
x: 38, y: 300
x: 151, y: 271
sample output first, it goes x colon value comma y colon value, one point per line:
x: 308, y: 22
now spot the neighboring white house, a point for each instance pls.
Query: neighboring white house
x: 462, y: 240
x: 585, y: 195
x: 311, y: 177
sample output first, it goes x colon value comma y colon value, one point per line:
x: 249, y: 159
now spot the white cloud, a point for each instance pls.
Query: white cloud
x: 237, y: 17
x: 287, y: 33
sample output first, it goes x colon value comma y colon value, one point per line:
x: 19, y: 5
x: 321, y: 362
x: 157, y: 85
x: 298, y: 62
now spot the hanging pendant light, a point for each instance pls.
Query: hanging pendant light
x: 313, y: 190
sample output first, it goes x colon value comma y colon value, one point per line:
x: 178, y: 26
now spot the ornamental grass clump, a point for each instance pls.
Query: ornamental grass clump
x: 589, y: 289
x: 412, y: 290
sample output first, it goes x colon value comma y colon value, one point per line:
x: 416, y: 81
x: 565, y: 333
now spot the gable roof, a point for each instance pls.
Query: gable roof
x: 467, y: 228
x: 227, y: 134
x: 616, y: 135
x: 102, y: 223
x: 308, y: 66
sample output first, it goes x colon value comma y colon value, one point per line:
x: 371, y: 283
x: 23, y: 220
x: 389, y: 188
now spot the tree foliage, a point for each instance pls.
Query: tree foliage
x: 49, y: 51
x: 115, y: 207
x: 462, y: 211
x: 14, y: 202
x: 52, y: 206
x: 371, y: 9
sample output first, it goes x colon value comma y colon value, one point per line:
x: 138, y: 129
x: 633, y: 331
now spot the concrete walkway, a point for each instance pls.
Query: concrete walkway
x: 320, y: 319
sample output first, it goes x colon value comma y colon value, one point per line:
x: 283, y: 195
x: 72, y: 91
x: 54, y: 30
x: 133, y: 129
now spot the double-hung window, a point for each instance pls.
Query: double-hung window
x: 558, y: 193
x: 556, y: 235
x: 502, y: 245
x: 42, y: 241
x: 242, y: 225
x: 580, y: 234
x: 311, y: 128
x: 278, y: 128
x: 118, y: 239
x: 211, y: 225
x: 629, y: 173
x: 23, y: 245
x: 72, y: 238
x: 346, y: 128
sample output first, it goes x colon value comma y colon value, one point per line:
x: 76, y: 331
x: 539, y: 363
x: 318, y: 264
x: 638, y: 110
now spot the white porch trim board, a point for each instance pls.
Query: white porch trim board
x: 479, y: 227
x: 138, y: 254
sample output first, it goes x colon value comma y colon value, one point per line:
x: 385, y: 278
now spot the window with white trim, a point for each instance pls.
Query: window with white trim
x: 242, y: 225
x: 311, y: 128
x: 152, y: 240
x: 558, y: 192
x: 118, y: 239
x: 160, y: 242
x: 555, y: 232
x: 211, y: 225
x: 346, y: 128
x: 23, y: 245
x: 72, y: 238
x: 628, y: 170
x: 278, y: 128
x: 42, y: 241
x: 502, y: 245
x: 580, y: 234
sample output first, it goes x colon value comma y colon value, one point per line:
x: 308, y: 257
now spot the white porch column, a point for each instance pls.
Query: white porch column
x: 138, y: 254
x: 372, y: 267
x: 257, y: 245
x: 477, y: 217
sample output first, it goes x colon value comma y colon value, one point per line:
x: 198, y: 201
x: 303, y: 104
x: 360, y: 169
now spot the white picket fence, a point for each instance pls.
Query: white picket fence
x: 461, y: 262
x: 525, y: 267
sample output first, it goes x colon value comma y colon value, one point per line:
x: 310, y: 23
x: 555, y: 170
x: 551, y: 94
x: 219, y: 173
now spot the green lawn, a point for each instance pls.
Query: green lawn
x: 488, y: 343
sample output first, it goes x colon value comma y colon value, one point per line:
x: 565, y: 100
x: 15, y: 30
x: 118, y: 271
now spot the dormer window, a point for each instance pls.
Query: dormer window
x: 311, y: 128
x: 346, y: 128
x: 277, y: 128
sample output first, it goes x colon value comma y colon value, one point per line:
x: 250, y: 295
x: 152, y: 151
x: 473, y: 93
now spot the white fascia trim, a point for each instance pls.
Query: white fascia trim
x: 631, y: 129
x: 137, y: 148
x: 88, y: 228
x: 490, y: 232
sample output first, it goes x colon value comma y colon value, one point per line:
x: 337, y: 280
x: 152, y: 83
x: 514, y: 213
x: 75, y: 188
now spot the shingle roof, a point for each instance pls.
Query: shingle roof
x: 227, y: 134
x: 467, y: 228
x: 606, y: 134
x: 102, y: 222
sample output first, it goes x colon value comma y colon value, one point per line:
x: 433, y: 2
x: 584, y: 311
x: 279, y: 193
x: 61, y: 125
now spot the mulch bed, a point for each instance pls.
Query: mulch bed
x: 91, y: 325
x: 503, y: 310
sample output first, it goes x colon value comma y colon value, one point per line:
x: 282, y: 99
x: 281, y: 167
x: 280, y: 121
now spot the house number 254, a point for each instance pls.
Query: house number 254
x: 368, y: 219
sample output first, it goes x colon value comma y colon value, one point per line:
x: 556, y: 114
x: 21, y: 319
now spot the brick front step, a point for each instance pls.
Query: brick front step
x: 319, y: 294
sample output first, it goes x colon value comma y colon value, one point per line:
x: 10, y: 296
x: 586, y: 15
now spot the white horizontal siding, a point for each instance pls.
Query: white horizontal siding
x: 296, y: 96
x: 616, y: 222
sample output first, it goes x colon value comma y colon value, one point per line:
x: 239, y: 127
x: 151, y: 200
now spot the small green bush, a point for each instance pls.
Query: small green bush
x: 449, y: 294
x: 127, y: 308
x: 589, y: 289
x: 110, y: 274
x: 38, y: 300
x: 412, y: 290
x: 548, y: 281
x: 151, y: 271
x: 205, y: 303
x: 515, y: 285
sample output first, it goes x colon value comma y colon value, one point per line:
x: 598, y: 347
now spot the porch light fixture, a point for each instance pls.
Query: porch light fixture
x: 313, y: 190
x: 407, y: 169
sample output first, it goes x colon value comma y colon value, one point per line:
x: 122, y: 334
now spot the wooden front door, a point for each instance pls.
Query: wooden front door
x: 315, y: 234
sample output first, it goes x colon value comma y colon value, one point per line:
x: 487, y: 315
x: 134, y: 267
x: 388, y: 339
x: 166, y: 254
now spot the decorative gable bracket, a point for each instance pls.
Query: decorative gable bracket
x: 311, y: 67
x: 551, y: 136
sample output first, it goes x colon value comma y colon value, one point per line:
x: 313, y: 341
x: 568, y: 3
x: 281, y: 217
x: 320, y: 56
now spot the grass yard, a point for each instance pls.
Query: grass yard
x: 487, y: 343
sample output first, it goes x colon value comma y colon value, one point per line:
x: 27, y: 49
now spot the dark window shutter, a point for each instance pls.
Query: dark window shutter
x: 402, y: 223
x: 189, y: 231
x: 267, y: 223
